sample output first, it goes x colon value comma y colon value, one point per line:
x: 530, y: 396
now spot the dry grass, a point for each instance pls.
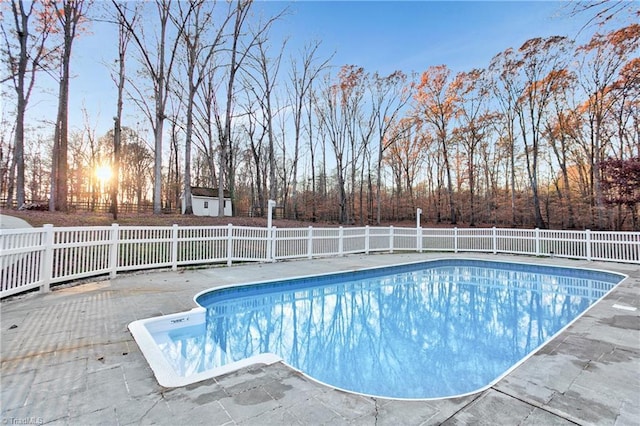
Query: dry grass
x: 58, y: 219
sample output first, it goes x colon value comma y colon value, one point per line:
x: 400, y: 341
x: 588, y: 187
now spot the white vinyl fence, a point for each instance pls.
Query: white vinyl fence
x: 38, y: 257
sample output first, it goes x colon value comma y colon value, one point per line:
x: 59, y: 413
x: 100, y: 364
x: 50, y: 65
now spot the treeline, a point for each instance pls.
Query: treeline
x: 546, y: 135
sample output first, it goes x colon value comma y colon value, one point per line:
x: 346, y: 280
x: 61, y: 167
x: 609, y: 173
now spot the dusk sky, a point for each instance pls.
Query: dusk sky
x: 381, y: 36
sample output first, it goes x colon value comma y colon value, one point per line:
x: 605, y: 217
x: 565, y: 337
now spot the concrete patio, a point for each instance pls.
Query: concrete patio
x: 68, y: 358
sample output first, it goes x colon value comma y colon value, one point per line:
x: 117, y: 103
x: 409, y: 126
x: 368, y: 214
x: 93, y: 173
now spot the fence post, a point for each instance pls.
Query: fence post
x: 455, y: 239
x: 366, y: 239
x: 174, y: 247
x: 113, y: 250
x: 229, y: 244
x: 310, y: 243
x: 537, y: 242
x: 418, y: 231
x: 391, y: 239
x: 495, y: 240
x: 47, y: 261
x: 588, y: 238
x: 273, y: 242
x: 271, y: 204
x: 269, y: 246
x: 340, y: 241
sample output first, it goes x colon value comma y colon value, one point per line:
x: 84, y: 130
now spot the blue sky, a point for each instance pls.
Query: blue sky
x: 413, y: 35
x: 381, y: 36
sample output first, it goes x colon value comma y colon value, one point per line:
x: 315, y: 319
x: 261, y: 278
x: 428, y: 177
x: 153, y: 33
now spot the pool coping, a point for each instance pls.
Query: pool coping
x: 163, y: 371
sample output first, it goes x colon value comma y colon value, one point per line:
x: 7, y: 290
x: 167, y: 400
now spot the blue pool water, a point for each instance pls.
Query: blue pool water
x: 427, y: 330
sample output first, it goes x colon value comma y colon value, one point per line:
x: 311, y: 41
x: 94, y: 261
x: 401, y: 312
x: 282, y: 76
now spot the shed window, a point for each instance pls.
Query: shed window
x: 206, y: 204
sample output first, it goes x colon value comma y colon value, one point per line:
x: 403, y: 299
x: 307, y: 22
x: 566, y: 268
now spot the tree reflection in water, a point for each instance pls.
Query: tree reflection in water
x: 430, y: 332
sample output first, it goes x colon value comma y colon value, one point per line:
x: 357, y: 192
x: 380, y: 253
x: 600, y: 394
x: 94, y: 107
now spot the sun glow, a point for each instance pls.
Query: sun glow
x: 103, y: 173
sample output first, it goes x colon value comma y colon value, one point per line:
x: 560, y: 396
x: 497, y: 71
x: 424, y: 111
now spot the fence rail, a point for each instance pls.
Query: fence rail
x: 39, y: 257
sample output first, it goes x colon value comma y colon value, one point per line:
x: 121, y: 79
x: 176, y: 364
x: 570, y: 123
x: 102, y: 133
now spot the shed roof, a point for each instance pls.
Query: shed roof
x: 198, y: 191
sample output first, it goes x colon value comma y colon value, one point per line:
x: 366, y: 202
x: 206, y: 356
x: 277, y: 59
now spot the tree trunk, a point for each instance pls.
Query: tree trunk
x: 447, y: 168
x: 18, y: 148
x: 60, y: 176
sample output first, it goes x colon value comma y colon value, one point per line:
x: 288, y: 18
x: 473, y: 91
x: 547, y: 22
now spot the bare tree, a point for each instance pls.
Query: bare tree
x: 407, y: 154
x: 224, y: 126
x: 70, y: 17
x: 124, y: 37
x: 302, y: 77
x: 506, y: 89
x: 89, y: 157
x: 23, y: 61
x: 389, y: 97
x: 202, y: 41
x: 158, y: 58
x: 541, y: 67
x: 174, y: 176
x: 137, y: 166
x: 352, y: 85
x: 601, y: 60
x: 204, y: 107
x: 340, y: 111
x: 626, y: 100
x: 473, y: 120
x: 559, y: 130
x: 256, y: 135
x: 436, y: 106
x: 239, y: 49
x: 261, y: 76
x: 604, y: 11
x: 310, y: 108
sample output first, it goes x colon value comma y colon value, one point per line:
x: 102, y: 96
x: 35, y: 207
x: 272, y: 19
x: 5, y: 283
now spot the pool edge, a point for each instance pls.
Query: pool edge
x: 164, y: 373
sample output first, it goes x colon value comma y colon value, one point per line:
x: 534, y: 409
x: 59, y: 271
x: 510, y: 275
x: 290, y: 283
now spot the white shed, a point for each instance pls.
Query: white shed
x: 205, y: 202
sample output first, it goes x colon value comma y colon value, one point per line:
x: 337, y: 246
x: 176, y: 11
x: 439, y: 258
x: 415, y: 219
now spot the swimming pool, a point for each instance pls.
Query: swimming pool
x: 422, y: 330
